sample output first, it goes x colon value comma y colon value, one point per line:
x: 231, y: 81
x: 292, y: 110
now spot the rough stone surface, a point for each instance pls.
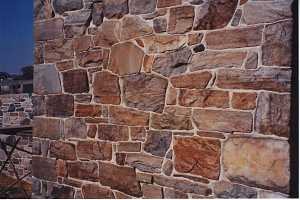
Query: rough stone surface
x: 83, y: 170
x: 106, y: 88
x: 277, y: 48
x: 198, y: 156
x: 152, y: 191
x: 243, y: 101
x: 213, y: 59
x: 113, y: 132
x: 61, y: 6
x: 98, y: 13
x: 71, y: 84
x: 109, y: 176
x: 91, y: 58
x: 252, y: 60
x: 214, y: 14
x: 171, y: 122
x: 93, y: 150
x: 257, y: 12
x: 80, y: 17
x: 203, y: 98
x: 262, y: 79
x: 93, y: 191
x: 144, y: 162
x: 75, y: 128
x: 42, y: 9
x: 59, y: 49
x: 62, y: 150
x: 225, y: 189
x: 137, y: 7
x: 115, y: 8
x: 157, y: 142
x: 181, y: 19
x: 60, y: 105
x: 273, y: 114
x: 172, y: 63
x: 134, y: 26
x: 46, y: 79
x: 168, y: 3
x: 174, y: 194
x: 47, y: 128
x: 87, y: 110
x: 234, y: 38
x: 126, y: 58
x: 268, y: 168
x: 108, y: 34
x: 224, y: 121
x: 127, y: 116
x: 48, y: 29
x: 44, y: 168
x: 160, y: 25
x: 145, y: 92
x: 191, y: 81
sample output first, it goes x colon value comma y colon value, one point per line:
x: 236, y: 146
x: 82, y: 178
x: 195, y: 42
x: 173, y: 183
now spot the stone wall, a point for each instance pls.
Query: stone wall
x: 162, y: 98
x: 15, y: 110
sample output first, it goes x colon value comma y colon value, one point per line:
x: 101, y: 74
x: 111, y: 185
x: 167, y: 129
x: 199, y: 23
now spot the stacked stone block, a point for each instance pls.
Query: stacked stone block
x: 162, y: 98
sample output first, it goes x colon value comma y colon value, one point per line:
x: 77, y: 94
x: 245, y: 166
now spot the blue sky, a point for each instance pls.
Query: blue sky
x: 16, y: 35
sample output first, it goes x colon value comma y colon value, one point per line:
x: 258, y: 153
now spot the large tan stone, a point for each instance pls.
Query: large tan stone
x: 214, y: 59
x: 234, y: 38
x: 203, y: 98
x: 181, y: 19
x: 273, y: 114
x: 145, y: 92
x: 192, y: 80
x: 257, y: 162
x: 126, y: 58
x: 163, y: 43
x: 198, y: 156
x: 273, y: 79
x: 119, y: 178
x: 223, y: 121
x: 257, y: 12
x: 106, y: 88
x: 214, y: 14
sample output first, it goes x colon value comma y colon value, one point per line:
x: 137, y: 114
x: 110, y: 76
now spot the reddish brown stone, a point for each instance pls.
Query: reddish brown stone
x: 157, y: 142
x: 94, y: 150
x: 113, y: 132
x: 129, y: 146
x: 193, y: 178
x: 125, y: 58
x: 47, y: 128
x: 82, y: 43
x: 127, y: 116
x: 106, y: 88
x: 44, y: 168
x: 198, y: 156
x: 195, y: 38
x: 108, y: 34
x: 91, y: 58
x: 214, y: 59
x: 214, y: 14
x: 171, y: 98
x: 144, y: 162
x: 177, y: 110
x: 145, y: 92
x: 65, y: 65
x: 243, y: 101
x: 38, y: 53
x: 62, y: 150
x: 273, y: 79
x: 120, y: 158
x: 181, y: 19
x: 48, y: 29
x: 234, y: 38
x: 171, y: 122
x: 138, y: 133
x: 59, y: 49
x: 211, y: 134
x: 174, y: 194
x: 223, y: 121
x: 144, y: 177
x: 83, y: 170
x: 82, y: 110
x: 273, y: 114
x: 152, y: 191
x: 109, y: 175
x: 71, y: 83
x: 203, y: 98
x: 60, y: 105
x: 92, y: 130
x: 168, y: 3
x: 61, y: 168
x: 148, y: 62
x: 93, y: 191
x: 191, y: 81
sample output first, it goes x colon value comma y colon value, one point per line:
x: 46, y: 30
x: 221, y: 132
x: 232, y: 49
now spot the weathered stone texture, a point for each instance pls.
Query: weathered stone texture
x: 171, y: 122
x: 93, y: 191
x: 225, y: 189
x: 49, y: 29
x: 115, y: 8
x: 273, y: 114
x: 243, y: 101
x: 75, y: 128
x: 198, y: 156
x: 191, y: 81
x: 83, y: 170
x: 71, y: 83
x: 44, y: 168
x: 127, y: 116
x: 60, y: 105
x: 62, y: 150
x: 157, y: 142
x: 134, y: 26
x: 181, y: 19
x: 268, y: 167
x: 61, y: 6
x: 144, y: 162
x: 137, y: 7
x: 145, y: 92
x: 113, y: 132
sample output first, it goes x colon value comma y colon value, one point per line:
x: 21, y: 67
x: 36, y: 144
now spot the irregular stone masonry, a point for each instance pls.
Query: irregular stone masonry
x: 162, y: 98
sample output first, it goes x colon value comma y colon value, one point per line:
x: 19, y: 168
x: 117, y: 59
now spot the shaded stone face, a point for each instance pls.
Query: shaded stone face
x: 44, y: 168
x: 157, y: 142
x: 61, y: 6
x: 93, y: 150
x: 71, y: 83
x: 93, y: 191
x: 198, y: 156
x: 115, y: 8
x: 137, y: 7
x: 145, y: 92
x: 181, y: 19
x: 126, y: 58
x: 42, y: 9
x: 171, y: 122
x: 191, y: 81
x: 83, y: 170
x: 60, y: 105
x: 214, y: 14
x: 126, y: 116
x: 268, y: 168
x: 75, y: 128
x: 109, y: 176
x: 144, y: 162
x: 62, y: 150
x: 48, y: 29
x: 273, y: 114
x: 133, y: 26
x: 113, y: 132
x: 47, y: 128
x: 228, y: 190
